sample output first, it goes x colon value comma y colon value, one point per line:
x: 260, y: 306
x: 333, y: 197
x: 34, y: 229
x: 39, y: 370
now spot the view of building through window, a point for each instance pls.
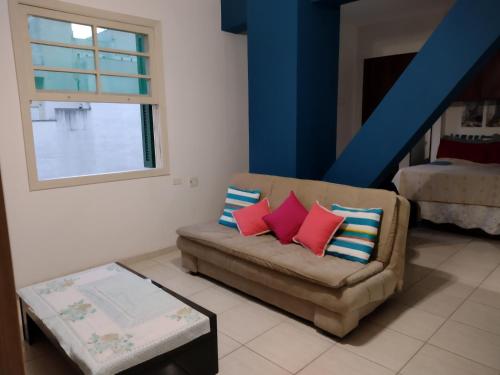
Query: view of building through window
x: 78, y: 139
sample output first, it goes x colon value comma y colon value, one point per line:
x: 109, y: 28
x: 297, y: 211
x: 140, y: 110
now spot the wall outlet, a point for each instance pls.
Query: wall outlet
x: 193, y: 182
x: 177, y: 181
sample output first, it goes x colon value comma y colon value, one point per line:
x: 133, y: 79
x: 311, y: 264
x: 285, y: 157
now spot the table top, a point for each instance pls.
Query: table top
x: 109, y: 318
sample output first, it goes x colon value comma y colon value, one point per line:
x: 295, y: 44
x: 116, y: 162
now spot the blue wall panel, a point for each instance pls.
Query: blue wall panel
x: 272, y: 85
x: 292, y: 68
x: 460, y: 44
x: 234, y: 16
x: 318, y: 42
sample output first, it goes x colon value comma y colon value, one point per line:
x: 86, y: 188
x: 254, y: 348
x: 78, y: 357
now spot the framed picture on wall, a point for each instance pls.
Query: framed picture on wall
x: 472, y: 115
x: 493, y: 115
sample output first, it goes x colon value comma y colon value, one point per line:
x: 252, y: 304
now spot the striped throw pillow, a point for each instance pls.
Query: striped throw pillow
x: 236, y: 199
x: 358, y: 234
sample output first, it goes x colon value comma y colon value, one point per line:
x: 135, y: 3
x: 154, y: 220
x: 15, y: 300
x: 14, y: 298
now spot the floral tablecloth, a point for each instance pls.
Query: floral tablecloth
x: 108, y: 319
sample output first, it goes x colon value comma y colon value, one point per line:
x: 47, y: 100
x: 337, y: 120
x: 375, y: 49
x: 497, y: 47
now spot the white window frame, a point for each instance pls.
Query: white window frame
x: 19, y: 11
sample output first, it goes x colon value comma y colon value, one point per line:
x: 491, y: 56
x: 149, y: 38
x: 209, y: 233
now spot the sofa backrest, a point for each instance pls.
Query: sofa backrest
x: 308, y: 191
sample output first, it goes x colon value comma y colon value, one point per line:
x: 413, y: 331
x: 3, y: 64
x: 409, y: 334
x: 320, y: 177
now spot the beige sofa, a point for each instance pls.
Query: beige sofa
x: 332, y: 293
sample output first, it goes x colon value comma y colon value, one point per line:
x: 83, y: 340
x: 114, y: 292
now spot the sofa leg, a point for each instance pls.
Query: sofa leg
x: 335, y: 323
x: 190, y: 263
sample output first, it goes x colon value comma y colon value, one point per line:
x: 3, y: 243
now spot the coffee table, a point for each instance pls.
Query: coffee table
x: 111, y: 319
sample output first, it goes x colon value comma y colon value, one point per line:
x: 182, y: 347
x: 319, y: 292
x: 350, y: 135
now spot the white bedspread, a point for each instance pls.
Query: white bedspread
x: 467, y: 216
x: 461, y: 182
x: 108, y: 319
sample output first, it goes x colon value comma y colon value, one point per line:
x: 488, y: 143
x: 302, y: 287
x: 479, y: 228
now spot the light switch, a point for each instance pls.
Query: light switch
x: 193, y: 182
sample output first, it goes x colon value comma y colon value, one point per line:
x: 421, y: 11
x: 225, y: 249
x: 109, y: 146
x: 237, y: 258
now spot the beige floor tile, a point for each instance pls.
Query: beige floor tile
x: 226, y: 344
x: 217, y: 299
x: 187, y: 285
x: 384, y: 346
x: 162, y: 273
x: 168, y: 257
x: 469, y: 342
x: 39, y: 348
x: 487, y: 296
x: 51, y: 364
x: 479, y: 315
x: 309, y: 328
x: 247, y: 321
x: 471, y: 273
x: 409, y: 321
x: 413, y: 274
x: 142, y: 265
x: 338, y: 361
x: 430, y: 256
x: 442, y: 282
x: 488, y: 292
x: 289, y: 346
x: 434, y: 302
x: 245, y: 362
x: 279, y: 314
x: 480, y: 252
x: 432, y: 237
x: 433, y: 360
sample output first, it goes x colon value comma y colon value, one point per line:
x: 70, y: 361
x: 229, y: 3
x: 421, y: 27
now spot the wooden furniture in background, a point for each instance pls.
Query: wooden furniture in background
x: 11, y: 357
x: 380, y: 74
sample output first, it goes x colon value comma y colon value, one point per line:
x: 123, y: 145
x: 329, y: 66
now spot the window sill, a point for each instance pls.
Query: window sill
x: 36, y: 185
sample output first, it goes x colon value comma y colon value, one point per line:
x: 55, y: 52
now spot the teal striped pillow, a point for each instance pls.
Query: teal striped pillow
x: 235, y: 200
x: 356, y: 238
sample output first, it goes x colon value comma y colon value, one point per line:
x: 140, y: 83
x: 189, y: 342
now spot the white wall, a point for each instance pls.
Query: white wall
x: 453, y: 121
x: 361, y: 41
x: 58, y: 231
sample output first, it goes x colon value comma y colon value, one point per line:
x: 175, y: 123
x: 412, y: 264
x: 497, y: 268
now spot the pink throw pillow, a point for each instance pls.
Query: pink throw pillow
x: 318, y: 229
x: 249, y: 219
x: 286, y: 220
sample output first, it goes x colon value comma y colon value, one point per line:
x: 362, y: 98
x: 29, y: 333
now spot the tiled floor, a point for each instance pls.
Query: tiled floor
x: 447, y: 321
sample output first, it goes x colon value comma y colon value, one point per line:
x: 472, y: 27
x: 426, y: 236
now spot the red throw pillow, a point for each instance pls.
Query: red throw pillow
x: 286, y: 220
x: 318, y: 229
x: 249, y: 219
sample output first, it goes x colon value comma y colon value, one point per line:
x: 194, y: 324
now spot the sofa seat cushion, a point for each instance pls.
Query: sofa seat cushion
x: 289, y: 259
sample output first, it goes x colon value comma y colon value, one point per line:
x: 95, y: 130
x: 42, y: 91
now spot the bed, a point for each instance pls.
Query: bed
x: 456, y: 191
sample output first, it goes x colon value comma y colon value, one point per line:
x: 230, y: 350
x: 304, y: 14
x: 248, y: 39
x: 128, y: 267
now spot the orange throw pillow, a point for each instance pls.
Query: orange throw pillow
x: 249, y: 219
x: 318, y: 229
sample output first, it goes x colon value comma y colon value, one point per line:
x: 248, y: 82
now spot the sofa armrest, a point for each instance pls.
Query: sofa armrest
x: 398, y: 257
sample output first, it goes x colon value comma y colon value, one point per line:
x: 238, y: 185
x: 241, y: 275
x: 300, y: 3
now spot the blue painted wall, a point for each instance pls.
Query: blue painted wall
x: 272, y: 85
x: 234, y: 16
x: 292, y: 66
x: 460, y: 44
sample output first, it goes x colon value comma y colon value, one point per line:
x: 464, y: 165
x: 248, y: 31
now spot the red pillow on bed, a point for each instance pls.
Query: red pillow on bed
x: 476, y: 152
x: 494, y: 152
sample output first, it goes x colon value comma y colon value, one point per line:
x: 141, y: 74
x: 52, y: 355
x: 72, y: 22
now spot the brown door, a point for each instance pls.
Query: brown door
x: 11, y: 358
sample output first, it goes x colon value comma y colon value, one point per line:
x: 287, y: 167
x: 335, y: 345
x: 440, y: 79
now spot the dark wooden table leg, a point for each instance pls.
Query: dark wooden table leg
x: 30, y: 328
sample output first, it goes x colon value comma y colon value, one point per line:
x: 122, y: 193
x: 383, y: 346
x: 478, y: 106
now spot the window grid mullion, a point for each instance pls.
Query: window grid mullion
x: 90, y: 48
x: 96, y: 59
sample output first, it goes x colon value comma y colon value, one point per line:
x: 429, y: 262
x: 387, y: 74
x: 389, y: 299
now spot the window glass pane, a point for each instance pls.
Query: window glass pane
x: 119, y: 63
x: 122, y: 40
x: 61, y: 81
x: 124, y: 85
x: 60, y: 57
x: 59, y: 31
x: 79, y: 139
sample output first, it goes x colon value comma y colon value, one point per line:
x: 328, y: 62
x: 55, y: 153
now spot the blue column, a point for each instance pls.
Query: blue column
x: 234, y: 16
x: 461, y: 43
x: 292, y: 68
